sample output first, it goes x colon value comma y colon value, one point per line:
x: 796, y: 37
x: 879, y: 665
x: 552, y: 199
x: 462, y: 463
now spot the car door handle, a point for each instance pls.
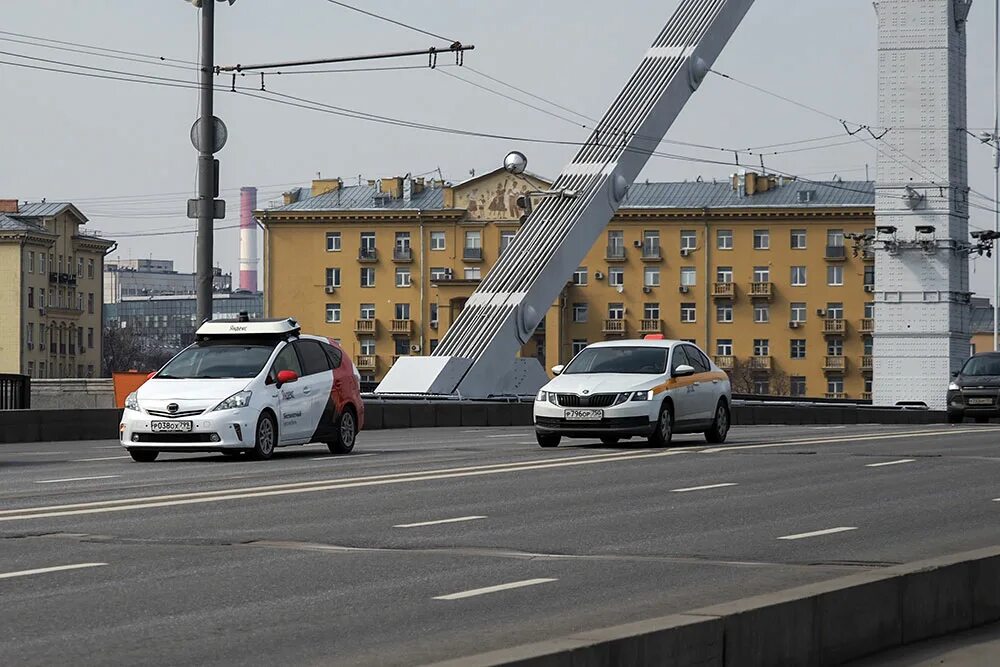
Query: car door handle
x: 306, y: 390
x: 716, y: 381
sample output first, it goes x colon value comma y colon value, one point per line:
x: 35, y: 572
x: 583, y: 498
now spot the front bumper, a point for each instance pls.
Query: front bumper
x: 634, y: 418
x: 964, y: 402
x: 211, y: 431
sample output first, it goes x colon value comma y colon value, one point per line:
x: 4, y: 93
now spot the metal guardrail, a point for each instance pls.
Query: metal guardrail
x: 15, y: 392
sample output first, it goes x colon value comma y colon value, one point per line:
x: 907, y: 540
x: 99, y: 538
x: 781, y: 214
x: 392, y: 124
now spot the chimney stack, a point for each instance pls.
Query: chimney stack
x: 248, y: 239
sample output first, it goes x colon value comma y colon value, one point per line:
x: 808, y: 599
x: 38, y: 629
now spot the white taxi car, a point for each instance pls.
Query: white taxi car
x: 652, y: 388
x: 247, y: 386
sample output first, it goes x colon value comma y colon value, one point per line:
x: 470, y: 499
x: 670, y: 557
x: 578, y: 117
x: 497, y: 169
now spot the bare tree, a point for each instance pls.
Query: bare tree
x: 127, y: 350
x: 745, y: 379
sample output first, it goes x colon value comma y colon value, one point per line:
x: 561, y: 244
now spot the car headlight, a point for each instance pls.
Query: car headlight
x: 643, y: 395
x: 240, y: 399
x: 954, y: 387
x: 132, y: 401
x: 542, y: 396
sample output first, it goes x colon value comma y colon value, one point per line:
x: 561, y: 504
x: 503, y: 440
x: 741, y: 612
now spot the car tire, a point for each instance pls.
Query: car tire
x: 664, y: 430
x: 345, y: 433
x: 548, y: 439
x: 143, y: 455
x: 609, y: 441
x: 265, y: 437
x: 717, y: 433
x: 955, y: 417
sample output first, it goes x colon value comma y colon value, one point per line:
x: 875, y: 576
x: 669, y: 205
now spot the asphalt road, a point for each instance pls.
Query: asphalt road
x: 426, y: 545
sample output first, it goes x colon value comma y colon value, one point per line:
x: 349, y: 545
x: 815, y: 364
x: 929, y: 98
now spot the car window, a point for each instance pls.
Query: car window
x: 696, y: 359
x: 639, y: 360
x: 679, y: 358
x: 286, y: 360
x: 213, y: 359
x: 335, y: 355
x: 313, y: 357
x: 982, y: 366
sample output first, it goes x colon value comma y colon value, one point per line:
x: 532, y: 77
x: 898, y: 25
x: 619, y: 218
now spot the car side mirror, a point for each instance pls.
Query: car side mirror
x: 557, y: 370
x: 683, y: 371
x: 284, y: 377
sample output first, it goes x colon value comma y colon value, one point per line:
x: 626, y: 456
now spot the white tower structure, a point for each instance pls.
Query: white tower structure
x: 248, y: 239
x: 922, y: 313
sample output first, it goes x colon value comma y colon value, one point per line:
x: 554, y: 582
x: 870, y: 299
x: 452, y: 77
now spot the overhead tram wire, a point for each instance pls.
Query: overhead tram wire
x: 189, y: 68
x: 161, y: 59
x: 389, y: 20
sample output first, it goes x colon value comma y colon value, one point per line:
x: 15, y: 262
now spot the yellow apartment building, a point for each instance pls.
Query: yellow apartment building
x: 51, y: 274
x: 761, y: 272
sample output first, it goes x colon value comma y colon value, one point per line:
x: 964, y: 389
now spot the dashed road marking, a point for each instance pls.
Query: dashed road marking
x: 494, y: 589
x: 703, y: 488
x: 457, y: 519
x: 861, y: 437
x: 102, y: 458
x: 45, y: 570
x: 75, y: 479
x: 889, y: 463
x: 818, y: 533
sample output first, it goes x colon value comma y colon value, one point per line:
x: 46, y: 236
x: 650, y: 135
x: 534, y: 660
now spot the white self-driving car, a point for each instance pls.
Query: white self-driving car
x: 247, y: 386
x: 651, y: 388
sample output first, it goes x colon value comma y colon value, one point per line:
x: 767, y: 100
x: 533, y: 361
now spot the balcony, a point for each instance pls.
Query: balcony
x: 725, y: 290
x: 725, y: 361
x: 401, y: 327
x: 366, y: 362
x: 614, y: 327
x: 402, y: 255
x: 866, y: 396
x: 472, y: 254
x: 759, y: 363
x: 834, y: 326
x: 652, y: 253
x: 839, y: 395
x: 63, y: 278
x: 867, y: 363
x: 835, y: 363
x: 650, y: 326
x: 368, y: 255
x: 615, y: 253
x: 65, y: 311
x: 868, y: 254
x: 364, y: 326
x: 867, y: 325
x: 761, y: 290
x: 836, y: 253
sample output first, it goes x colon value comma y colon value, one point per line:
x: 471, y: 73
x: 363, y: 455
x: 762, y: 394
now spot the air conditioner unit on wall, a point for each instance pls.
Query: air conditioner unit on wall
x: 330, y: 289
x: 793, y: 325
x: 637, y: 244
x: 686, y: 251
x: 598, y: 275
x: 869, y: 288
x: 821, y: 312
x: 414, y: 348
x: 647, y: 289
x: 684, y: 289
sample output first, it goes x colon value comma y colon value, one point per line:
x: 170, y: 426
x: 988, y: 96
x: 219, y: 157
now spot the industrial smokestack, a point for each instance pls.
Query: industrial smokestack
x: 248, y: 239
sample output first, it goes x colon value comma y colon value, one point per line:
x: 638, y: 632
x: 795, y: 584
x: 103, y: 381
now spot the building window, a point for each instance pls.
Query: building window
x: 579, y: 312
x: 42, y: 270
x: 868, y: 344
x: 580, y: 276
x: 31, y: 369
x: 651, y: 311
x: 724, y: 312
x: 797, y: 385
x: 761, y: 387
x: 724, y: 239
x: 835, y: 346
x: 761, y: 313
x: 798, y: 239
x: 798, y: 276
x: 402, y: 276
x: 90, y: 268
x: 835, y: 238
x: 835, y: 384
x: 835, y: 311
x: 403, y: 241
x: 689, y: 312
x: 90, y: 303
x: 29, y: 335
x: 367, y: 276
x: 761, y: 347
x: 578, y: 345
x: 616, y: 276
x: 472, y: 273
x: 41, y: 369
x: 761, y: 274
x: 79, y: 302
x: 367, y: 311
x: 688, y: 276
x: 616, y: 242
x: 31, y: 297
x: 724, y: 274
x: 333, y: 241
x: 333, y: 313
x: 437, y: 241
x: 434, y: 313
x: 651, y: 276
x: 506, y: 238
x: 79, y: 339
x: 367, y: 345
x: 724, y: 347
x: 31, y: 261
x: 761, y: 239
x: 689, y: 240
x: 41, y: 298
x: 333, y: 277
x: 616, y: 311
x: 440, y: 273
x: 870, y: 310
x: 402, y: 346
x: 868, y: 385
x: 798, y: 348
x: 870, y: 276
x: 402, y: 311
x: 79, y: 267
x: 798, y: 311
x: 433, y: 344
x: 834, y: 275
x: 474, y: 239
x: 368, y: 240
x: 650, y: 243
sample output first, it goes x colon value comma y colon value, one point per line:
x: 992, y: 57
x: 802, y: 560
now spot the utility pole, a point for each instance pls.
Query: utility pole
x: 206, y: 165
x: 996, y: 172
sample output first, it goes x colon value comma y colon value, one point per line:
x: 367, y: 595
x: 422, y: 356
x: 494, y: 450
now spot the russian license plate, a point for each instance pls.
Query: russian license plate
x: 980, y: 401
x: 171, y: 426
x: 584, y: 415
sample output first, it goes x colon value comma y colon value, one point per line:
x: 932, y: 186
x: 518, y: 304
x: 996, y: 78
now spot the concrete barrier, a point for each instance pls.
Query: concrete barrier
x: 75, y: 393
x: 825, y: 623
x: 50, y: 425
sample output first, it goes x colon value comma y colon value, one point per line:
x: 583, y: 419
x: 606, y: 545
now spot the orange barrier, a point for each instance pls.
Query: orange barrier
x: 126, y: 383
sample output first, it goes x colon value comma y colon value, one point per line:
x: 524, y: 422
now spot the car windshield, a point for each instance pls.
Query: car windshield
x: 214, y: 359
x: 642, y: 360
x: 982, y: 366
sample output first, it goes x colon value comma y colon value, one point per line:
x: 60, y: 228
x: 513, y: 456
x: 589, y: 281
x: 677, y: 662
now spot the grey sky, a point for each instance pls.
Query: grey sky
x: 110, y: 146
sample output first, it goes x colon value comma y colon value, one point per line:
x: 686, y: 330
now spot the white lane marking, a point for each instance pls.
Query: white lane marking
x: 44, y: 570
x: 826, y: 428
x: 3, y: 453
x: 111, y: 447
x: 457, y: 519
x: 494, y: 589
x: 340, y: 457
x: 703, y: 488
x: 849, y: 439
x: 75, y: 479
x: 889, y: 463
x: 817, y: 533
x: 104, y: 506
x: 102, y: 458
x: 507, y: 435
